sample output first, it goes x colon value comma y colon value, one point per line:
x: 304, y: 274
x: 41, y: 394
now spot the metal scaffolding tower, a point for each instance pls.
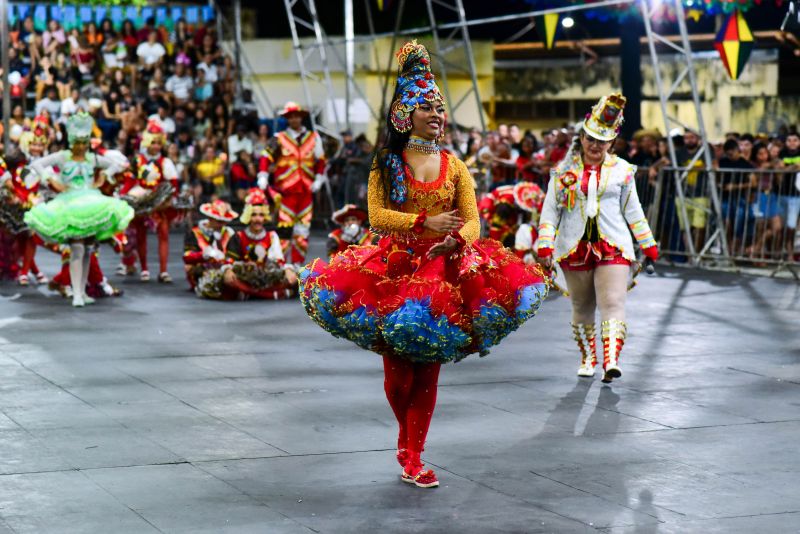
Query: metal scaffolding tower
x: 683, y: 51
x: 456, y: 40
x: 310, y: 21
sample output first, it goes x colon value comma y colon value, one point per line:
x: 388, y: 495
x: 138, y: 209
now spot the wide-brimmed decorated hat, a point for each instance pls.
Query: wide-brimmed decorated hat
x: 293, y: 107
x: 349, y: 210
x: 416, y: 85
x: 528, y: 196
x: 606, y: 117
x: 219, y: 210
x: 254, y: 197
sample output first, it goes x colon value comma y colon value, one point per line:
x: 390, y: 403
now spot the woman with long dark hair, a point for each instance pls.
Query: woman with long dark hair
x: 430, y: 292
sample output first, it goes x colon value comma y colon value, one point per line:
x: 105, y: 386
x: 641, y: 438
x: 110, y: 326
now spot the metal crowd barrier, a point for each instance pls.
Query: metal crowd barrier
x: 725, y: 218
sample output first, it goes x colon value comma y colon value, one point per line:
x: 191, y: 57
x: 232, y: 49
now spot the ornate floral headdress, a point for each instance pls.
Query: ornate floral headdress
x: 255, y: 197
x: 415, y: 85
x: 606, y: 117
x: 79, y: 127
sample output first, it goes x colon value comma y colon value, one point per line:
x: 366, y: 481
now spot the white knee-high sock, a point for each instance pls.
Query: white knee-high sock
x: 87, y: 256
x: 76, y: 262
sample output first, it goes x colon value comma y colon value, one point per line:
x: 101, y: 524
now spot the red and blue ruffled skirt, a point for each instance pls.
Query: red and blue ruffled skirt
x: 390, y: 299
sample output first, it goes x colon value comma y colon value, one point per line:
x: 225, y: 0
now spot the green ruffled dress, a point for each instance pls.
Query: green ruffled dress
x: 81, y: 211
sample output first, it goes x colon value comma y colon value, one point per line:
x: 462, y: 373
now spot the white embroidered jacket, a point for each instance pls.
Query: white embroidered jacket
x: 619, y: 212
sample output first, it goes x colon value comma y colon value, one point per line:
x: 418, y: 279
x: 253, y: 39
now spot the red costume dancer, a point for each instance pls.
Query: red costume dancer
x: 498, y: 208
x: 529, y: 198
x: 205, y: 245
x: 151, y: 192
x: 430, y: 292
x: 257, y: 268
x: 351, y: 229
x: 295, y: 160
x: 22, y: 193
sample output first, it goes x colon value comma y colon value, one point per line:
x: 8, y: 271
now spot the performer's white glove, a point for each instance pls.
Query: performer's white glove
x: 350, y: 233
x: 211, y: 253
x: 529, y: 258
x: 319, y: 181
x: 263, y: 180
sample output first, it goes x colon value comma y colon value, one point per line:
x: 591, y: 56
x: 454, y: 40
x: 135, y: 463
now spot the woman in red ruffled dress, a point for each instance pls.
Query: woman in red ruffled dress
x: 430, y: 292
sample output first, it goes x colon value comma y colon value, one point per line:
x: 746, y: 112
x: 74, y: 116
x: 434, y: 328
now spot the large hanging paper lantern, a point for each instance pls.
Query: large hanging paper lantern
x: 547, y: 26
x: 734, y: 42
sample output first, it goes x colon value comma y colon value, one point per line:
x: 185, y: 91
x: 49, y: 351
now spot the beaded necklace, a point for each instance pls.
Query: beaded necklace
x: 418, y: 144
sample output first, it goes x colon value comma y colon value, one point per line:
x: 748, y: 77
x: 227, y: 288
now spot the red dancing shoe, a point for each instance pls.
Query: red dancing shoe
x: 425, y: 478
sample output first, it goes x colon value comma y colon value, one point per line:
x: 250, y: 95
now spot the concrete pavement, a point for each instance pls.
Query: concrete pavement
x: 160, y: 412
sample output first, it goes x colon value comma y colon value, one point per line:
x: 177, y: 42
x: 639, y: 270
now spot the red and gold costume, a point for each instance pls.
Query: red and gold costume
x: 205, y: 246
x: 296, y: 161
x: 258, y: 268
x: 346, y: 235
x: 150, y: 189
x: 529, y: 197
x: 420, y: 298
x: 498, y: 208
x: 21, y: 193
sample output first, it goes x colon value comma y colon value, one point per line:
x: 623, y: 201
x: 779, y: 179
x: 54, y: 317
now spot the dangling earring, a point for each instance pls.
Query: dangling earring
x: 400, y: 117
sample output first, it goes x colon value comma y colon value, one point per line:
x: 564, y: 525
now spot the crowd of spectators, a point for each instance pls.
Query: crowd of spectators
x: 757, y: 179
x: 182, y: 79
x: 129, y: 76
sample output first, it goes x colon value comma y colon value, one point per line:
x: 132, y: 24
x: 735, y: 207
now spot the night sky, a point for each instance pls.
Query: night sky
x: 273, y: 23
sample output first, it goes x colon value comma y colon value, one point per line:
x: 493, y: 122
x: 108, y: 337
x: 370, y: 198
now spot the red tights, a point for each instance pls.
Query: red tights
x: 411, y: 392
x: 162, y: 231
x: 27, y: 248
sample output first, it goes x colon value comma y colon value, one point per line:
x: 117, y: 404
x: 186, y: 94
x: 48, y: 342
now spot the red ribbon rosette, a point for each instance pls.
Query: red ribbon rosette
x: 569, y: 182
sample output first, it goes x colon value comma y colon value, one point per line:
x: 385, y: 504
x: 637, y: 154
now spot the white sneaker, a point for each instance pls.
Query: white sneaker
x: 77, y: 301
x: 122, y: 269
x: 41, y: 278
x: 87, y: 299
x: 145, y: 276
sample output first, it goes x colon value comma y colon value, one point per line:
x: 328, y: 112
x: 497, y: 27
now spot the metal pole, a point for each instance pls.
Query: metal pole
x: 237, y: 21
x: 712, y: 179
x: 473, y: 69
x: 217, y: 16
x: 300, y: 59
x: 349, y: 53
x: 494, y: 20
x: 4, y: 29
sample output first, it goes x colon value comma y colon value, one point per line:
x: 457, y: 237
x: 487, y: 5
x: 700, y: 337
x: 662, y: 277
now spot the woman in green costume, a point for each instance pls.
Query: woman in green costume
x: 80, y: 214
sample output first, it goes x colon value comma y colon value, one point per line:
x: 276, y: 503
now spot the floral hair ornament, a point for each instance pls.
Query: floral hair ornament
x: 606, y: 118
x: 255, y: 197
x: 415, y: 85
x: 79, y: 127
